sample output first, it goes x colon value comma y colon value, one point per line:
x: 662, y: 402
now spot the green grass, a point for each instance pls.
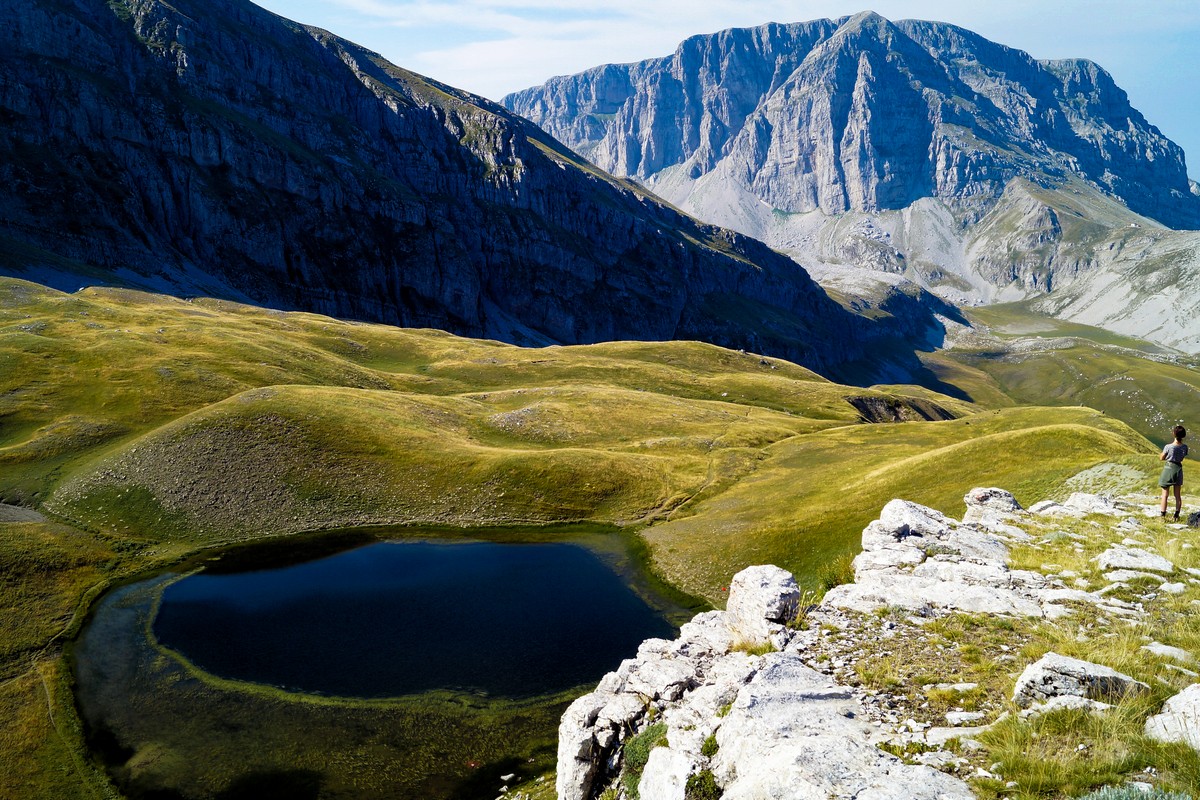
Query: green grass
x: 1142, y: 385
x: 156, y: 427
x: 809, y: 498
x: 637, y: 754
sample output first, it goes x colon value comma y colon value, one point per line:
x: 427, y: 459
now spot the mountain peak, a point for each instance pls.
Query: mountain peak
x: 803, y: 124
x: 863, y: 19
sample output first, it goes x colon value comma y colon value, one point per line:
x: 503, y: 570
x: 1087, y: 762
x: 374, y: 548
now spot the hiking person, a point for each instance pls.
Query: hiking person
x: 1172, y: 474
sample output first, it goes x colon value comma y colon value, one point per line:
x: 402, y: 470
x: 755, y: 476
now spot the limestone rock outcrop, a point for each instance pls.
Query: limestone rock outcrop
x: 781, y: 728
x: 1179, y: 720
x: 801, y: 723
x: 1056, y: 676
x: 864, y: 114
x: 919, y: 559
x: 761, y: 601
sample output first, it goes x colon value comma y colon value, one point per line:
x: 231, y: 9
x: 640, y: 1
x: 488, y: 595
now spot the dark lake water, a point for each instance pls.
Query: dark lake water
x: 397, y: 618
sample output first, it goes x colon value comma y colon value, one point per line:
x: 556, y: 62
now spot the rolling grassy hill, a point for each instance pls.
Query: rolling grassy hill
x: 1014, y: 355
x: 148, y: 427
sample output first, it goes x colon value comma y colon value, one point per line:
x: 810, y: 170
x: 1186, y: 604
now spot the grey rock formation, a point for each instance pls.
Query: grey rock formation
x: 1119, y: 557
x: 761, y: 600
x: 794, y: 734
x: 1170, y: 653
x: 913, y: 151
x: 211, y: 147
x: 783, y: 730
x: 863, y: 114
x: 919, y: 559
x: 1056, y: 675
x: 1179, y: 720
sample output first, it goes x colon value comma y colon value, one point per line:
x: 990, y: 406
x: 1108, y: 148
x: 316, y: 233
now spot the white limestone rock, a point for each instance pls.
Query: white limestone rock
x: 1065, y: 702
x: 662, y: 678
x: 1179, y: 720
x: 958, y: 718
x: 578, y: 752
x: 1055, y: 675
x: 666, y: 773
x: 1085, y: 503
x: 1133, y: 558
x: 761, y: 599
x: 1126, y: 575
x: 1051, y: 508
x: 1168, y: 652
x: 994, y: 499
x: 793, y: 733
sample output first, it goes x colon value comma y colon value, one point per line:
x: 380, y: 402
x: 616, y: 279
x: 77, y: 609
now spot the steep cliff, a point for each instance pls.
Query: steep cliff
x: 208, y: 146
x: 915, y: 148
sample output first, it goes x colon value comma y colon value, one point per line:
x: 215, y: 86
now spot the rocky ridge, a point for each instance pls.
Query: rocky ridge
x: 907, y: 149
x: 215, y: 148
x: 772, y: 697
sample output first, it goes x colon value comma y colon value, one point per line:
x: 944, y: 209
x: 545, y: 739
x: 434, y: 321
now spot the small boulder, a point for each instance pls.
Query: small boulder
x: 994, y: 499
x: 761, y: 599
x: 1170, y: 653
x: 1051, y: 508
x: 1085, y: 503
x: 1055, y: 675
x: 665, y: 775
x: 1193, y: 519
x: 905, y: 518
x: 1179, y: 720
x: 957, y: 718
x: 1120, y: 557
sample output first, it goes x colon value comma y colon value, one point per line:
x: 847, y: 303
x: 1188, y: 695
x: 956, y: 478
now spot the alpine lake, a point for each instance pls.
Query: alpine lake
x: 384, y: 663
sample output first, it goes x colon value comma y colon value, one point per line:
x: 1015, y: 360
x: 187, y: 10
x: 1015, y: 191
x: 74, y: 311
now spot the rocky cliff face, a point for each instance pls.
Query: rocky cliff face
x: 913, y: 148
x: 212, y: 147
x: 863, y: 114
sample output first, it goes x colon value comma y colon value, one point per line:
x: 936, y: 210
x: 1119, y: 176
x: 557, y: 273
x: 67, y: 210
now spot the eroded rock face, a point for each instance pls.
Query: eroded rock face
x: 215, y: 148
x: 1055, y: 675
x: 863, y: 114
x: 793, y: 733
x: 915, y: 152
x: 1120, y: 557
x: 783, y: 730
x: 782, y: 724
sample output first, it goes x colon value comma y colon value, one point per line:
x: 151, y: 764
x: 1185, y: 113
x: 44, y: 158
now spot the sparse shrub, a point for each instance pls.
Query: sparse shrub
x: 904, y: 751
x: 724, y: 710
x: 754, y: 648
x: 702, y: 786
x: 610, y: 793
x: 1133, y: 793
x: 808, y: 601
x: 637, y: 753
x: 710, y: 746
x: 836, y: 572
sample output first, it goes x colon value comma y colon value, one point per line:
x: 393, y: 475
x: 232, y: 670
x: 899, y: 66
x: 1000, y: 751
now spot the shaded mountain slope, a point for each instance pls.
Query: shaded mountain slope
x: 212, y: 147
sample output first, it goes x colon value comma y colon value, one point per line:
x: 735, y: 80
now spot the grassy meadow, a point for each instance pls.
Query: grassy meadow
x: 147, y: 428
x: 1029, y: 359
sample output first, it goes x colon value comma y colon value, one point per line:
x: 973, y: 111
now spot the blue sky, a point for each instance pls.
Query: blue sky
x: 492, y: 47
